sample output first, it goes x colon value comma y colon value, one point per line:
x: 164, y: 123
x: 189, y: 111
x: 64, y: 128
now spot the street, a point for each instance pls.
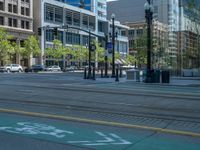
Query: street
x: 63, y: 111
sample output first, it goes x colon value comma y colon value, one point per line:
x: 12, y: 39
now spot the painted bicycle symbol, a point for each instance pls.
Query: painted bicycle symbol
x: 36, y: 129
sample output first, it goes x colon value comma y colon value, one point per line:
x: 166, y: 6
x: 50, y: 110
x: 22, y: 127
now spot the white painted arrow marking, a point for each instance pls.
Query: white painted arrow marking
x: 107, y: 139
x: 123, y: 142
x: 110, y: 139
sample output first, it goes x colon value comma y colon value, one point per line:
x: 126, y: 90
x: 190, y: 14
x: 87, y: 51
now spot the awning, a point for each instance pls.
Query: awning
x: 120, y: 61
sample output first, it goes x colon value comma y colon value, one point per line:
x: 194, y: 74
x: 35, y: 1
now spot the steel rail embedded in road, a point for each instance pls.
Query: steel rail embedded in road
x: 117, y: 91
x: 99, y: 110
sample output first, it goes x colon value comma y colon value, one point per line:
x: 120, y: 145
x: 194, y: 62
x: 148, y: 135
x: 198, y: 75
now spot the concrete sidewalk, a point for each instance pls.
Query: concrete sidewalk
x: 176, y: 81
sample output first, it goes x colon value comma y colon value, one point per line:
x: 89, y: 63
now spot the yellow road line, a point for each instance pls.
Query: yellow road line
x: 99, y: 122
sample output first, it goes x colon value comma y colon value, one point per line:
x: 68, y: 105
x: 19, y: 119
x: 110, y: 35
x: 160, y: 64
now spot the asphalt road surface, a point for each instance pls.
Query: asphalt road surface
x: 63, y: 111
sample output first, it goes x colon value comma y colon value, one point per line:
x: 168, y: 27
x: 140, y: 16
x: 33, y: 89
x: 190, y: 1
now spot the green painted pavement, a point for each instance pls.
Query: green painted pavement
x: 94, y: 136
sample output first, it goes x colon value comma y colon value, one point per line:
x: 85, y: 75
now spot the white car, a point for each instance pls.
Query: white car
x: 71, y: 68
x: 11, y: 68
x: 53, y: 68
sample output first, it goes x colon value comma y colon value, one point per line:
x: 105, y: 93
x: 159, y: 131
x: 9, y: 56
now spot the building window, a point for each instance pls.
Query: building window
x: 15, y: 23
x: 76, y: 19
x: 100, y: 26
x: 22, y: 24
x: 27, y: 11
x: 140, y: 32
x: 72, y: 38
x: 85, y: 21
x: 68, y: 17
x: 59, y: 14
x: 27, y: 25
x: 123, y: 33
x: 10, y: 8
x: 92, y: 23
x: 12, y: 22
x: 1, y: 20
x: 68, y: 38
x: 85, y: 40
x: 60, y: 36
x: 131, y: 32
x: 49, y: 36
x: 49, y: 12
x: 27, y: 1
x: 15, y: 9
x: 22, y: 11
x: 53, y: 13
x: 131, y: 43
x: 1, y: 6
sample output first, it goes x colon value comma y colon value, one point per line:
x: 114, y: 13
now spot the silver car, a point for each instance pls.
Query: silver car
x: 53, y: 68
x: 11, y: 68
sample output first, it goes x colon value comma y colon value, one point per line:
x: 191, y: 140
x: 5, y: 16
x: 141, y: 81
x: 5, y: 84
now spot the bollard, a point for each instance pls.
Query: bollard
x: 120, y: 73
x: 101, y: 73
x: 117, y: 75
x: 85, y: 73
x: 94, y: 78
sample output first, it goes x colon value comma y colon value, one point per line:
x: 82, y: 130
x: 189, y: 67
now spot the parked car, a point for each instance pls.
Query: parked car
x: 53, y: 68
x: 71, y: 68
x: 35, y: 68
x: 11, y: 68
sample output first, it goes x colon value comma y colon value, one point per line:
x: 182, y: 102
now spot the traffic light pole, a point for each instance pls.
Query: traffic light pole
x: 113, y: 50
x: 149, y: 18
x: 43, y: 57
x: 106, y: 56
x: 89, y: 45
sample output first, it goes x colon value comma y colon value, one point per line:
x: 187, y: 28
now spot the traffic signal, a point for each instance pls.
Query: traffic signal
x: 55, y: 31
x: 39, y: 31
x: 92, y: 47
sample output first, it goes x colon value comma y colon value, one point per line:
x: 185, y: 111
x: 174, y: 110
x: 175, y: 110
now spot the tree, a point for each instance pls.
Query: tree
x: 69, y: 53
x: 130, y: 60
x: 141, y: 47
x: 6, y: 48
x: 99, y: 52
x: 80, y: 54
x: 31, y: 48
x: 57, y: 51
x: 160, y: 57
x: 18, y: 50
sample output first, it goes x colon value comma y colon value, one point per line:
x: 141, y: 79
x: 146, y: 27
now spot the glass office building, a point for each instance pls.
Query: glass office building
x: 77, y: 3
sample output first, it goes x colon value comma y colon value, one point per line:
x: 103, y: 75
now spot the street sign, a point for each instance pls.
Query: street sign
x: 109, y: 47
x: 92, y: 47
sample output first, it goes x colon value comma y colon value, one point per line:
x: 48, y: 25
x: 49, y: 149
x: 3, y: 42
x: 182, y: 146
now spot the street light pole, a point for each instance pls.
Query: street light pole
x: 113, y: 45
x: 89, y: 48
x: 149, y: 17
x: 106, y: 56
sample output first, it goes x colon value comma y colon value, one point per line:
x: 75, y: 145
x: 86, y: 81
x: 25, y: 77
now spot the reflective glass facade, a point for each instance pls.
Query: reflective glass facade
x: 77, y: 3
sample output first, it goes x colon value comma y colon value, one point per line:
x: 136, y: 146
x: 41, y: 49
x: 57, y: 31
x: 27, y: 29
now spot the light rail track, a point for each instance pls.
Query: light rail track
x: 110, y: 111
x: 117, y: 91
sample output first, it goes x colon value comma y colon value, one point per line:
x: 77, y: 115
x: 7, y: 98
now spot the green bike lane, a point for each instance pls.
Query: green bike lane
x: 93, y: 136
